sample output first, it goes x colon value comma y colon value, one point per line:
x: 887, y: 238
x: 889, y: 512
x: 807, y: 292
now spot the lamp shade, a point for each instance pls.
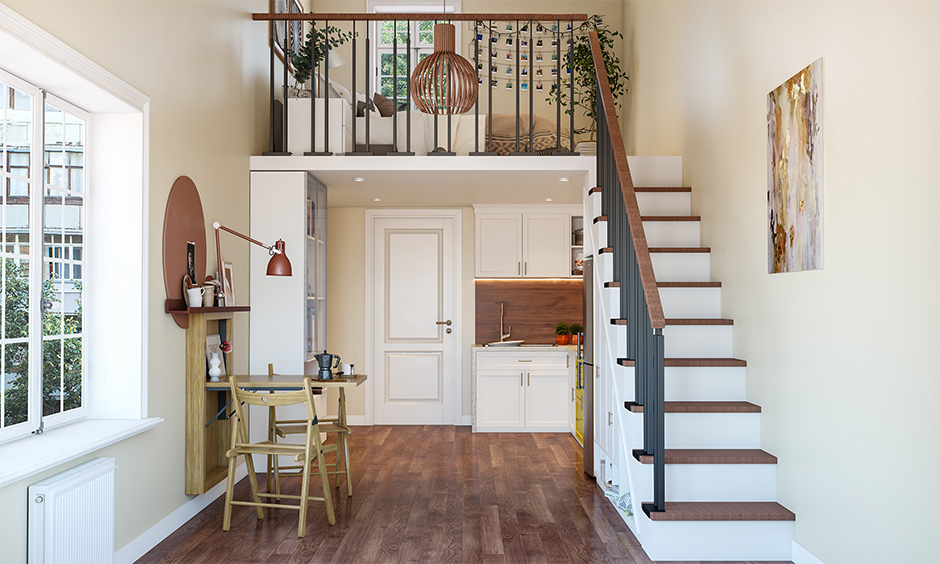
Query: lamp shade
x: 279, y: 265
x: 444, y: 82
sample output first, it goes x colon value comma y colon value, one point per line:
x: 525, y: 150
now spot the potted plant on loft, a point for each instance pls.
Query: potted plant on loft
x: 581, y: 62
x: 576, y: 330
x: 316, y: 44
x: 561, y: 334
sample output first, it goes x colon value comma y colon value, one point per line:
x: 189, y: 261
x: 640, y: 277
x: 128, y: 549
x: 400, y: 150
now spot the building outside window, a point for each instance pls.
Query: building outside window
x: 41, y: 320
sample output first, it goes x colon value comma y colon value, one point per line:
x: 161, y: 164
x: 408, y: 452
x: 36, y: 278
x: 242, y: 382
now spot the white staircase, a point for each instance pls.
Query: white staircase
x: 720, y: 487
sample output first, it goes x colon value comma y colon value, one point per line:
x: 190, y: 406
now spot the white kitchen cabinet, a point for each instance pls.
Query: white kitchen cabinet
x: 523, y: 242
x: 521, y: 390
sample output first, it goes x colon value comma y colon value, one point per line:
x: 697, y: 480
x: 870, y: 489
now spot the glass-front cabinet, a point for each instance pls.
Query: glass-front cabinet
x: 315, y: 272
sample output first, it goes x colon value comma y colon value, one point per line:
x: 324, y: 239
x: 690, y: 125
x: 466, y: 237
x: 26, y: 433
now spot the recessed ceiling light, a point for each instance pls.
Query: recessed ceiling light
x: 549, y: 199
x: 376, y: 199
x: 359, y: 179
x: 563, y: 179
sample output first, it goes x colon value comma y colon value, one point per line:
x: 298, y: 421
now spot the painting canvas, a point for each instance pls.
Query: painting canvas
x: 794, y: 173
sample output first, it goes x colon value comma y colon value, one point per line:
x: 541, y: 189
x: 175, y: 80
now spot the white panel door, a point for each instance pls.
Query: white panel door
x: 414, y: 298
x: 499, y: 245
x: 547, y: 245
x: 547, y: 397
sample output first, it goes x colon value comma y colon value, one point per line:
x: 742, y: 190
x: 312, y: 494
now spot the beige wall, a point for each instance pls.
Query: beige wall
x: 844, y: 360
x: 204, y: 67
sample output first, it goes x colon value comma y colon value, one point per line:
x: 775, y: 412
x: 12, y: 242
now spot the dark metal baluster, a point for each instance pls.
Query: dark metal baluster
x: 368, y: 77
x: 284, y: 87
x: 326, y: 101
x: 558, y: 88
x: 517, y: 34
x: 476, y: 106
x: 489, y: 88
x: 317, y: 90
x: 571, y: 87
x: 394, y: 86
x: 356, y: 109
x: 477, y: 33
x: 408, y: 108
x: 531, y: 91
x: 367, y: 114
x: 273, y: 136
x: 395, y: 152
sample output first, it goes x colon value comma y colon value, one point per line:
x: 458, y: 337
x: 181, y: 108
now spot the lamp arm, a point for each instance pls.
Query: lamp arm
x: 218, y: 248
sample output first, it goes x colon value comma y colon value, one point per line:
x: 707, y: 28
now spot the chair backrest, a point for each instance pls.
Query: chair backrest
x: 268, y: 399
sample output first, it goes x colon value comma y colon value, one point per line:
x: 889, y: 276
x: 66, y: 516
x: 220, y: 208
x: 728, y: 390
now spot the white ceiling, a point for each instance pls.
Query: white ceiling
x: 422, y: 181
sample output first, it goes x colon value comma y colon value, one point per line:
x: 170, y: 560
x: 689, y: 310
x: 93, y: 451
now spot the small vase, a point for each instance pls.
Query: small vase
x: 214, y: 370
x: 562, y: 339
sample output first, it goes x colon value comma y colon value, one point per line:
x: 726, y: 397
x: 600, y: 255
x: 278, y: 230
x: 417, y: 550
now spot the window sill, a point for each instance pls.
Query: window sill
x: 31, y: 455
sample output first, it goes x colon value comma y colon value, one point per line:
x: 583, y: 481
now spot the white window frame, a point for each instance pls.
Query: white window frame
x: 414, y: 7
x: 117, y: 223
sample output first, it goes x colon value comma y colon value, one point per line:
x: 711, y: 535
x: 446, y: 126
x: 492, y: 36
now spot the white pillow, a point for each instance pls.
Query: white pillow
x: 341, y: 92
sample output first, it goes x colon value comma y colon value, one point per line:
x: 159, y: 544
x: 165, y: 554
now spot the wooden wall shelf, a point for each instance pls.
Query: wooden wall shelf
x: 179, y: 307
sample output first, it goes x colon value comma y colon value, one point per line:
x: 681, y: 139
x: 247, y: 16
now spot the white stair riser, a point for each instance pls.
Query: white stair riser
x: 601, y: 230
x: 707, y: 482
x: 655, y: 171
x: 593, y: 207
x: 707, y: 430
x: 699, y: 341
x: 691, y: 302
x: 664, y: 203
x: 705, y: 383
x: 682, y: 267
x: 715, y: 540
x: 672, y: 233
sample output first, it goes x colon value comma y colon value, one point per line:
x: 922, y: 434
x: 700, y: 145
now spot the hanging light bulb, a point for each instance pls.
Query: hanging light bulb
x: 444, y: 82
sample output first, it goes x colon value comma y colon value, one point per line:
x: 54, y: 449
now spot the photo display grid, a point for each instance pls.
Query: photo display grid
x: 498, y: 40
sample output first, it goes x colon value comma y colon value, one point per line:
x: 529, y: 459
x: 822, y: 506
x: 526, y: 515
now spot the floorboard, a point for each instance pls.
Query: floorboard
x: 428, y: 494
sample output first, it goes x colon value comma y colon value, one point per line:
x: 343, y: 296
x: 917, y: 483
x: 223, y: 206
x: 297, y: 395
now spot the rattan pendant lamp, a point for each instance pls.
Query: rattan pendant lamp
x: 444, y: 82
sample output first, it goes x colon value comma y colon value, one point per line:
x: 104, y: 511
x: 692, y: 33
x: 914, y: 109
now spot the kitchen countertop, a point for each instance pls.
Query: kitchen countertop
x: 529, y: 348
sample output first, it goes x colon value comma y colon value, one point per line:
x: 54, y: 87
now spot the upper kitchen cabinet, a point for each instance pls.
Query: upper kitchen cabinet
x: 524, y: 242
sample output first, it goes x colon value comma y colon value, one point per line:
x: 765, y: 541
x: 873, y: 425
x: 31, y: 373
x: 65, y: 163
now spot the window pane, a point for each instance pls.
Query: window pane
x: 72, y: 366
x: 15, y: 391
x: 385, y: 31
x: 15, y: 291
x: 52, y: 394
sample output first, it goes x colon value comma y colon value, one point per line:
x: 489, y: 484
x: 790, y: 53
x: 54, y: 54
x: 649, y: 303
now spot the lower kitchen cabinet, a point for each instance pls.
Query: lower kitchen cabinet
x: 517, y: 391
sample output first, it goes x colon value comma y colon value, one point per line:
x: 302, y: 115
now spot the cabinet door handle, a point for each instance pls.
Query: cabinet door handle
x: 572, y: 394
x: 529, y: 380
x: 519, y: 268
x: 524, y: 360
x: 610, y: 418
x: 525, y: 268
x: 521, y: 379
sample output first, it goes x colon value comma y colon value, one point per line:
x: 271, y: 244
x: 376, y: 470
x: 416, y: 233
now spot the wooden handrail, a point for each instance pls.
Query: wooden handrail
x: 653, y: 303
x: 355, y: 17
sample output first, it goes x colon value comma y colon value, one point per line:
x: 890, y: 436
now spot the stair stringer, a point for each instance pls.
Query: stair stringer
x: 667, y: 540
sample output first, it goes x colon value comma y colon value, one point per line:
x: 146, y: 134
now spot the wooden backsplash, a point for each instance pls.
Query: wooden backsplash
x: 532, y: 308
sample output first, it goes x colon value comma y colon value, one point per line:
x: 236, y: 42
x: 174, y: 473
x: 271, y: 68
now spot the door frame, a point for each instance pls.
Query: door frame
x: 372, y: 215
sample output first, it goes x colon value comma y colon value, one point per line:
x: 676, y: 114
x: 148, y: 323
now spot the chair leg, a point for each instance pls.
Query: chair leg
x: 325, y: 480
x: 253, y: 480
x: 346, y: 464
x: 229, y: 491
x: 304, y: 497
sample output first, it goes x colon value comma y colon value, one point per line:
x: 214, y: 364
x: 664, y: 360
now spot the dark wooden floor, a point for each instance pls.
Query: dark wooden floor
x: 429, y: 494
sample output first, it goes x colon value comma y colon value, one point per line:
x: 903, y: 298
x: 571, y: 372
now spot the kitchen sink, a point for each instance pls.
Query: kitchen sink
x: 505, y: 343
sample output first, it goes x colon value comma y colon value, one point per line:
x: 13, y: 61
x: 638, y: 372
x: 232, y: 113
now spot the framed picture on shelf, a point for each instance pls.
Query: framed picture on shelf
x: 191, y: 261
x: 228, y: 283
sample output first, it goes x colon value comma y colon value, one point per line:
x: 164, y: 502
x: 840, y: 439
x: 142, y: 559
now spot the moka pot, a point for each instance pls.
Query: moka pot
x: 327, y: 363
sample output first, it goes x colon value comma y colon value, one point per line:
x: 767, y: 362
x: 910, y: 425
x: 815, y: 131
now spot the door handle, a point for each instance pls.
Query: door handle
x: 448, y: 322
x: 521, y: 379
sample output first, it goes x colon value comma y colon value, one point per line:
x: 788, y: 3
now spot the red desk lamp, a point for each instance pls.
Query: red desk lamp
x: 279, y: 265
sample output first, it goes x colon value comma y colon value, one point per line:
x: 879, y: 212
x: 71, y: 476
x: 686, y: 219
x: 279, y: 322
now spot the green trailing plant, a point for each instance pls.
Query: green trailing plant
x: 317, y: 44
x: 581, y: 62
x: 562, y: 329
x: 576, y: 328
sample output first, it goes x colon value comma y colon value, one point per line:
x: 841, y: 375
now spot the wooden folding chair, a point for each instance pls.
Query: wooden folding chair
x: 304, y: 453
x: 280, y: 428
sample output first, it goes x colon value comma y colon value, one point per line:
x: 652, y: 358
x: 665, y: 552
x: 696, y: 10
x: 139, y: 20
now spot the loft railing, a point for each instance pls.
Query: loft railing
x: 522, y: 31
x: 640, y: 304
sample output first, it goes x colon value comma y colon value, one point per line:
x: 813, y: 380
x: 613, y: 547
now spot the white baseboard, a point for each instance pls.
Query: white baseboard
x: 133, y: 550
x: 802, y: 556
x: 356, y: 420
x: 466, y: 420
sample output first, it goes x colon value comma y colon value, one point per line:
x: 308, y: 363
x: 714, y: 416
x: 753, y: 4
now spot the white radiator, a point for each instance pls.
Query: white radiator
x: 71, y: 515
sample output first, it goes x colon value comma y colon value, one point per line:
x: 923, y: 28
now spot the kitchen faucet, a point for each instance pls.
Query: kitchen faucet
x: 502, y: 336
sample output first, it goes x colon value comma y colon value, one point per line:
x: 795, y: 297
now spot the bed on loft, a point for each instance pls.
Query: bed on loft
x: 497, y: 132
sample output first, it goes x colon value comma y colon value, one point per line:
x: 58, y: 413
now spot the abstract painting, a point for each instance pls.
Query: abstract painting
x: 794, y: 173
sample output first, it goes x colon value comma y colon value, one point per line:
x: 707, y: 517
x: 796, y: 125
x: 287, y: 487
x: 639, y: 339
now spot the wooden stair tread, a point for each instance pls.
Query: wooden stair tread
x: 693, y: 362
x: 680, y: 249
x: 673, y: 284
x: 704, y: 407
x: 712, y: 456
x: 670, y: 218
x: 723, y: 511
x: 676, y: 321
x: 648, y: 189
x: 600, y: 218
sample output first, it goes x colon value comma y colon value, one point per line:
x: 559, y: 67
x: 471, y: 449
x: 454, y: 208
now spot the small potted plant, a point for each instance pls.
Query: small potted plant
x: 576, y: 330
x: 561, y: 334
